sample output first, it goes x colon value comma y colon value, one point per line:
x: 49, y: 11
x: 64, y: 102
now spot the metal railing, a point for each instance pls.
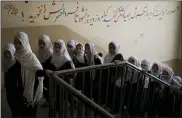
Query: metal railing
x: 121, y: 89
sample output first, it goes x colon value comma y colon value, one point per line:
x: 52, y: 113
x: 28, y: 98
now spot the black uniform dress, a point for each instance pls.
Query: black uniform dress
x: 13, y: 85
x: 67, y: 65
x: 45, y: 65
x: 80, y: 76
x: 166, y: 103
x: 28, y: 111
x: 108, y: 88
x: 85, y: 82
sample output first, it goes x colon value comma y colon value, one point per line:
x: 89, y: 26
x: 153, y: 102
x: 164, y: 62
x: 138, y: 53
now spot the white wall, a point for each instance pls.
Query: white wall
x: 153, y: 37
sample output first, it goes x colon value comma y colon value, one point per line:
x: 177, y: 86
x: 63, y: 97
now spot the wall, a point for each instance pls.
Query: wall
x: 144, y: 29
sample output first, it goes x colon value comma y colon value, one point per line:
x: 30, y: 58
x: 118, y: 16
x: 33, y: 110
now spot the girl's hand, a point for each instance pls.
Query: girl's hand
x: 174, y: 89
x: 117, y: 62
x: 50, y: 73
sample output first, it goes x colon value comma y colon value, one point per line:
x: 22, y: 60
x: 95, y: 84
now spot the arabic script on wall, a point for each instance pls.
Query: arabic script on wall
x: 81, y: 14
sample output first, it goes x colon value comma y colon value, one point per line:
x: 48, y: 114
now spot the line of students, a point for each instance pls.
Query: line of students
x: 25, y: 74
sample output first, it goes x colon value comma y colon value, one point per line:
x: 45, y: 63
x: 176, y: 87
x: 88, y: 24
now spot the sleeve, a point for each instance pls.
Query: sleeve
x: 40, y: 73
x: 97, y: 61
x: 119, y: 57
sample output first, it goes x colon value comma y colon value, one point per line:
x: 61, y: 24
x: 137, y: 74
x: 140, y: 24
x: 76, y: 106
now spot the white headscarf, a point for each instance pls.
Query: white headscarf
x: 136, y: 61
x: 72, y: 50
x: 170, y: 72
x: 93, y: 52
x: 80, y: 57
x: 47, y: 52
x: 171, y: 78
x: 178, y: 79
x: 29, y: 65
x: 8, y: 63
x: 146, y: 64
x: 159, y: 69
x: 108, y: 58
x: 129, y: 75
x: 58, y: 60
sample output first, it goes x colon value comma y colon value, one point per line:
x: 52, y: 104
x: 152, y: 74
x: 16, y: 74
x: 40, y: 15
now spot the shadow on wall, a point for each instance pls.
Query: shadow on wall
x: 55, y: 32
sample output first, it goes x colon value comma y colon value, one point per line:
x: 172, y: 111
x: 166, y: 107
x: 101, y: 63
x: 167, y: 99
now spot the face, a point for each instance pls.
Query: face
x: 155, y: 68
x: 70, y: 48
x: 7, y: 54
x: 79, y: 49
x: 57, y: 48
x: 112, y: 48
x: 165, y: 74
x: 87, y: 49
x: 144, y: 67
x: 18, y: 44
x: 132, y: 61
x: 42, y: 44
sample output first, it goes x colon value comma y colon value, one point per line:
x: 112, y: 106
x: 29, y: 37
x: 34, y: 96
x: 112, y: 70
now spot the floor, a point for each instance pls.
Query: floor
x: 6, y: 113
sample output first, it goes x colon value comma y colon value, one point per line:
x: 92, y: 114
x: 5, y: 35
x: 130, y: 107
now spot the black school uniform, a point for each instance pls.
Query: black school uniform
x: 29, y: 111
x: 13, y: 85
x: 108, y: 88
x: 79, y: 77
x: 45, y: 66
x: 67, y: 65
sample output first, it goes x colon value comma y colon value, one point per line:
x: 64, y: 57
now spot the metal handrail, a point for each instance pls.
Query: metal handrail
x: 102, y: 66
x: 83, y: 98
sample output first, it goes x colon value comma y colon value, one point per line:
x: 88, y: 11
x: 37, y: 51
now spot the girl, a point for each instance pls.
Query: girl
x: 130, y: 88
x: 71, y: 45
x: 166, y: 101
x: 109, y: 76
x: 32, y: 75
x: 44, y: 55
x: 156, y: 70
x: 79, y: 62
x: 61, y: 60
x: 152, y: 98
x: 92, y: 58
x: 143, y: 83
x: 13, y: 83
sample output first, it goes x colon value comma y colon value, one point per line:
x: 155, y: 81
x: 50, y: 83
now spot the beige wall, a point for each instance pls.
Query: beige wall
x: 157, y: 38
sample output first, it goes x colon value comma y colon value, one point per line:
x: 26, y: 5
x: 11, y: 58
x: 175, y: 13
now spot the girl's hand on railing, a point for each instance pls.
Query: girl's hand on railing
x: 50, y: 73
x: 117, y: 62
x: 174, y: 89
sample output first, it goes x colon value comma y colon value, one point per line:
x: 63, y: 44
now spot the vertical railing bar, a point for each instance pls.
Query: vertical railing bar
x: 100, y: 86
x: 107, y: 89
x: 130, y: 82
x: 115, y: 78
x: 123, y: 87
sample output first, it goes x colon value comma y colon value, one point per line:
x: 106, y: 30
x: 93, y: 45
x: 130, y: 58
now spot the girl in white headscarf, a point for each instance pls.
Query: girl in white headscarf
x: 32, y: 74
x: 45, y: 49
x: 112, y: 74
x: 92, y: 58
x: 130, y: 84
x: 71, y: 45
x: 79, y: 61
x: 166, y: 103
x: 114, y: 53
x: 44, y: 55
x: 13, y: 83
x: 61, y: 60
x: 156, y: 70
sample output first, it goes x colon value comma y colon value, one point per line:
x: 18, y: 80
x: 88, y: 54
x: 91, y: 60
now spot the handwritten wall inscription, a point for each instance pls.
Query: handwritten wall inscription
x: 111, y: 14
x: 11, y: 9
